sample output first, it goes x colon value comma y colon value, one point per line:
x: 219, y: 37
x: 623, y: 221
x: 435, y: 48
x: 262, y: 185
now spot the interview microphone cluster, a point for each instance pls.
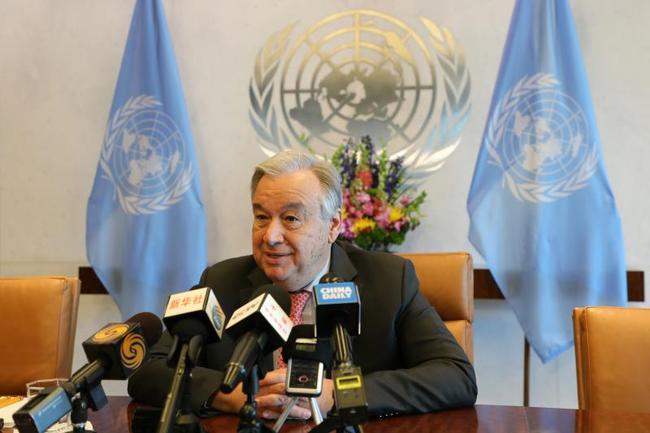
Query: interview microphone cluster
x: 113, y: 352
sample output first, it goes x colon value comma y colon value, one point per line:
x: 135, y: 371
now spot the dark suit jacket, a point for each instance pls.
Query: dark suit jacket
x: 411, y: 363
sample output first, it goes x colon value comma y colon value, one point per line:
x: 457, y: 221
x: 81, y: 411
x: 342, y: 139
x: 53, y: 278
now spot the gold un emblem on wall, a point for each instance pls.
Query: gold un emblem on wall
x: 362, y: 72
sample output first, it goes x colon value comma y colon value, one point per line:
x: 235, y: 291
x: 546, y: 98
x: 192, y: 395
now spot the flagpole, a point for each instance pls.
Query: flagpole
x: 526, y: 371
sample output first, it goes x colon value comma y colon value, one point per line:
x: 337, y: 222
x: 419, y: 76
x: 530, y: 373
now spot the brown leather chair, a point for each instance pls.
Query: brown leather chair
x: 612, y: 346
x: 447, y: 281
x: 39, y: 317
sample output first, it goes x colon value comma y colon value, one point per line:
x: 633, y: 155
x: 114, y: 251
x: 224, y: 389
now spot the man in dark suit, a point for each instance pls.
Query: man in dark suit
x: 411, y: 363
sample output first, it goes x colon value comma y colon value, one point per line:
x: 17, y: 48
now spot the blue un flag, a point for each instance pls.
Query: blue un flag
x: 145, y: 227
x: 542, y: 213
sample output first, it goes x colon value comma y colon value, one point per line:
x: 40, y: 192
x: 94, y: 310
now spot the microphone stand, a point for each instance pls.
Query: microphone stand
x: 177, y: 413
x: 79, y: 414
x: 90, y: 395
x: 248, y: 420
x: 354, y: 410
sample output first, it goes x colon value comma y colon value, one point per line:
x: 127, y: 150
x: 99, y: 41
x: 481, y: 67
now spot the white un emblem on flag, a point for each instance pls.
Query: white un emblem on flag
x: 541, y: 139
x: 145, y: 157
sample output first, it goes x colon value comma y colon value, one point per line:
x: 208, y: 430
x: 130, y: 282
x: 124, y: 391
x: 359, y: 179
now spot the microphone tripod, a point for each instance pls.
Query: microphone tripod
x: 316, y: 414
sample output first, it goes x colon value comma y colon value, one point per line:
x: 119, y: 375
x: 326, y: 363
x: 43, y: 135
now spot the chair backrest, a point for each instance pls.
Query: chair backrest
x: 447, y: 281
x: 39, y: 317
x: 612, y: 346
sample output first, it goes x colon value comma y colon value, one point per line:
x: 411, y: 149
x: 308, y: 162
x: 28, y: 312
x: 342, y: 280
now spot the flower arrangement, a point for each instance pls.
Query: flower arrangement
x: 379, y: 207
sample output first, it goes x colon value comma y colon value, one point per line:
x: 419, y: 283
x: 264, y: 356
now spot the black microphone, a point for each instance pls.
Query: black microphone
x: 195, y: 312
x: 338, y: 311
x: 338, y: 314
x: 258, y: 327
x: 306, y: 358
x: 118, y: 349
x: 193, y: 318
x: 303, y: 344
x: 114, y: 352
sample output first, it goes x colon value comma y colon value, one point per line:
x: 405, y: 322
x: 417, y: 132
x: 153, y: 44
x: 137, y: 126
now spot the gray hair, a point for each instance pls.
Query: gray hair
x: 291, y: 160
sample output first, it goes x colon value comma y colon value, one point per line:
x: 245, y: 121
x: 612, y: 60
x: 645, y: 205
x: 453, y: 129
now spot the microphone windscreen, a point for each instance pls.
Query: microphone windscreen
x: 337, y: 302
x: 318, y: 350
x: 280, y: 296
x: 188, y: 327
x: 151, y: 326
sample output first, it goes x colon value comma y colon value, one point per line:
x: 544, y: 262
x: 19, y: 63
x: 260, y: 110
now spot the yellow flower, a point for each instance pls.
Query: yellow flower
x: 363, y: 225
x: 395, y: 214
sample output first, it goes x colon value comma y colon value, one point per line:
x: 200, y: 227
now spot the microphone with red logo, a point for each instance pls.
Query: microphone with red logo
x: 259, y: 327
x: 194, y: 318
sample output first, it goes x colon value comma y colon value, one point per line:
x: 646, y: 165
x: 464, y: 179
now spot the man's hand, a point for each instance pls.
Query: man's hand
x: 272, y: 397
x: 230, y: 403
x: 325, y: 400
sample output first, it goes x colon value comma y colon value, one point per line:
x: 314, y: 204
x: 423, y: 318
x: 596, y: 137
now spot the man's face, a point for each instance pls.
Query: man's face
x: 291, y: 240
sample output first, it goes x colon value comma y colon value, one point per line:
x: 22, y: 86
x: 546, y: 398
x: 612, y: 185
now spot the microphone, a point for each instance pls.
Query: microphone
x: 113, y: 352
x: 259, y: 327
x: 307, y: 359
x: 305, y: 370
x: 338, y: 314
x: 118, y: 349
x: 195, y: 312
x: 338, y: 311
x: 193, y: 318
x: 303, y: 345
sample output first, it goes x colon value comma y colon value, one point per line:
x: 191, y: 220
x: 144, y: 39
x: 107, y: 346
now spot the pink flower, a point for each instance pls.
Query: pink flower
x: 383, y: 219
x: 346, y: 229
x: 368, y: 208
x: 404, y: 201
x: 363, y: 197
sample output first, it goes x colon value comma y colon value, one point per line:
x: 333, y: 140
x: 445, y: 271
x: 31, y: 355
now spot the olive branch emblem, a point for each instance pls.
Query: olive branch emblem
x: 261, y: 90
x: 533, y: 192
x: 134, y: 204
x: 454, y: 113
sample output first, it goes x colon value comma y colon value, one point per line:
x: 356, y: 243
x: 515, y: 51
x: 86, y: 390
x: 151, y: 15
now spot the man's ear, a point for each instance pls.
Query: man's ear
x: 335, y: 227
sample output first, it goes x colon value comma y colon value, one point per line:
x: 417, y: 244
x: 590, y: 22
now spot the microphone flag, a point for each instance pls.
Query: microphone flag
x: 542, y: 213
x: 145, y: 223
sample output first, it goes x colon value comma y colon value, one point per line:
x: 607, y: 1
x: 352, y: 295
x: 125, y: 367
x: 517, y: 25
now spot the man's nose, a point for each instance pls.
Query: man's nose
x: 274, y: 233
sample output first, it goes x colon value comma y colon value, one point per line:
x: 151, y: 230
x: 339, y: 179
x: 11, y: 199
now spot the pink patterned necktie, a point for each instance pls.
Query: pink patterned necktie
x: 298, y: 302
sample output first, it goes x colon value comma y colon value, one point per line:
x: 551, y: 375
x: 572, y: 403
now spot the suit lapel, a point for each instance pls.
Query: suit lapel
x: 341, y: 265
x: 257, y: 278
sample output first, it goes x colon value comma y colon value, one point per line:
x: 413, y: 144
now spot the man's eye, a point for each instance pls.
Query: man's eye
x: 261, y: 217
x: 292, y: 220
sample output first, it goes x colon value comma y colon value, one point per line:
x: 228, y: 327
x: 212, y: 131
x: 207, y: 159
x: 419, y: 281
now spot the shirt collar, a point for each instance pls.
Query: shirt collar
x: 319, y: 275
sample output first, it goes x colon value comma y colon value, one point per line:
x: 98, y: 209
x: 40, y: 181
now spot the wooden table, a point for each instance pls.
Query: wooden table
x: 479, y: 419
